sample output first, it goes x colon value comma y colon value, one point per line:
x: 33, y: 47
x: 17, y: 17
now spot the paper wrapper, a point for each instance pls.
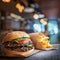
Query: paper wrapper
x: 37, y: 43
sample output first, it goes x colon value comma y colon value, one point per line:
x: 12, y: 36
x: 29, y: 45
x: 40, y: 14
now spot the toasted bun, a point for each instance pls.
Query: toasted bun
x: 13, y: 35
x: 16, y: 53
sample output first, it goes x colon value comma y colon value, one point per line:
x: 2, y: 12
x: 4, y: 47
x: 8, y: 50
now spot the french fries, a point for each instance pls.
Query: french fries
x: 40, y: 41
x: 44, y: 41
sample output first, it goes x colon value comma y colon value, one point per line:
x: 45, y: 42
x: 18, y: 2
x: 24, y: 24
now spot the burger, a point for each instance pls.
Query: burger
x: 17, y: 43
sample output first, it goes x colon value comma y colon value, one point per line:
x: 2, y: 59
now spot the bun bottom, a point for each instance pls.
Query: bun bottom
x: 11, y: 53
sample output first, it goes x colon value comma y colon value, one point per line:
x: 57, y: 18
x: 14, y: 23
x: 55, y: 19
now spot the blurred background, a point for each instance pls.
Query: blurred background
x: 31, y: 16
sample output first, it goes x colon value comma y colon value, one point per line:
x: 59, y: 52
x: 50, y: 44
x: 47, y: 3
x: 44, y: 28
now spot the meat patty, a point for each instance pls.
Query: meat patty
x: 25, y: 46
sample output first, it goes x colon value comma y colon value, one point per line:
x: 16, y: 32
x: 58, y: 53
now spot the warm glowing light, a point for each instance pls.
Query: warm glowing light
x: 35, y: 16
x: 43, y: 21
x: 6, y: 1
x: 15, y: 16
x: 20, y: 7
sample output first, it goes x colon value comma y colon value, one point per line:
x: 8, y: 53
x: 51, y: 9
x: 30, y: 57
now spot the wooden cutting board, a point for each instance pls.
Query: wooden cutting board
x: 21, y: 55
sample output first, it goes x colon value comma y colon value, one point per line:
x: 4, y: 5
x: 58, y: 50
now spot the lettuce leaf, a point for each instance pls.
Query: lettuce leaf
x: 17, y: 39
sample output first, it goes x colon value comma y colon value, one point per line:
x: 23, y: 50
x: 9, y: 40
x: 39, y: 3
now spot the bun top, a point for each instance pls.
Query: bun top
x: 13, y: 35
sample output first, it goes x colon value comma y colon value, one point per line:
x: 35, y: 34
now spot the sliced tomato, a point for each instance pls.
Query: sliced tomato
x: 20, y: 41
